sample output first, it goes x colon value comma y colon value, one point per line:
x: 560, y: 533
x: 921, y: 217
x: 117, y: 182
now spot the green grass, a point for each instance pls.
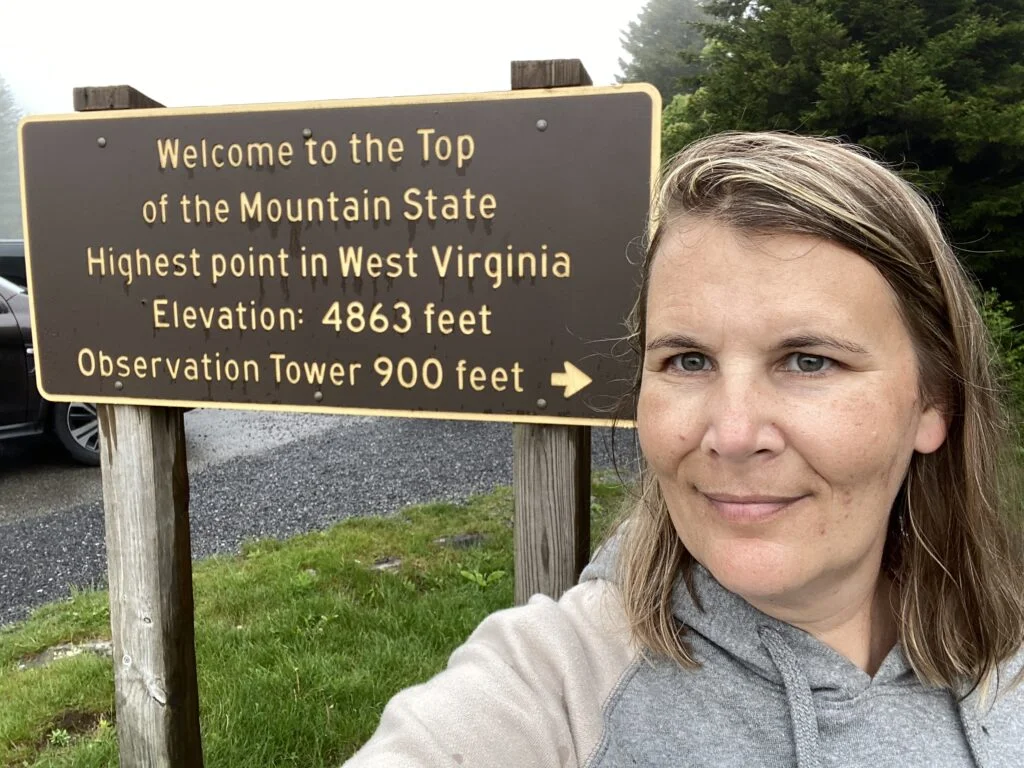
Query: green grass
x: 299, y: 644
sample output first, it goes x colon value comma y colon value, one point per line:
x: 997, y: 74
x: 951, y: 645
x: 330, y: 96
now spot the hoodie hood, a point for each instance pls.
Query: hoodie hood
x: 728, y: 621
x: 731, y: 623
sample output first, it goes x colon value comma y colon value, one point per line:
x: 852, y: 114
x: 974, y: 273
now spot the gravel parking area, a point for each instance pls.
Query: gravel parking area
x: 358, y: 467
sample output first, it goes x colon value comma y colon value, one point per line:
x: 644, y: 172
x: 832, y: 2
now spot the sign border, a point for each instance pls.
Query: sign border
x: 142, y: 114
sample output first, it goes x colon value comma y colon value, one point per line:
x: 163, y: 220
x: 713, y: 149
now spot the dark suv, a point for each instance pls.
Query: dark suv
x: 22, y: 410
x: 12, y: 261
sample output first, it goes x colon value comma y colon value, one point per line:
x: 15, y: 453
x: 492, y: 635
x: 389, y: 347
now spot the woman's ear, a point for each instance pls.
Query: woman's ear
x: 931, y: 430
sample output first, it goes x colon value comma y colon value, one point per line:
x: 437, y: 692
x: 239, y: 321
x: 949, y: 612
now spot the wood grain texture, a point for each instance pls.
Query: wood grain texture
x: 149, y: 561
x: 549, y: 73
x: 112, y: 97
x: 149, y: 565
x: 550, y: 464
x: 551, y: 479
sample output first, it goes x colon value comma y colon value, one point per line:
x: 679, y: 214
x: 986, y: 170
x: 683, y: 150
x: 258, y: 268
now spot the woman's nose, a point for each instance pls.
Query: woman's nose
x: 740, y: 419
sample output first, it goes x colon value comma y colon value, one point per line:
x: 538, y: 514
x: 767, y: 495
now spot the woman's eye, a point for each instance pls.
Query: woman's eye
x: 810, y: 363
x: 691, y: 362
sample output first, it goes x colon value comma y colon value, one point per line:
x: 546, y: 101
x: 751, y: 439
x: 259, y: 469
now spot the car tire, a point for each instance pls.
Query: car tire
x: 77, y: 427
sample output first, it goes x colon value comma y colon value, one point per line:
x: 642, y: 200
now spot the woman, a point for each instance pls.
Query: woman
x: 823, y: 566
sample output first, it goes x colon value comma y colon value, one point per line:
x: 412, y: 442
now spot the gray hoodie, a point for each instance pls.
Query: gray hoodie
x: 560, y: 685
x: 769, y: 694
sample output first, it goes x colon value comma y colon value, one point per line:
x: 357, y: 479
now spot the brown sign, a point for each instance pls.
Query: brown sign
x: 467, y: 257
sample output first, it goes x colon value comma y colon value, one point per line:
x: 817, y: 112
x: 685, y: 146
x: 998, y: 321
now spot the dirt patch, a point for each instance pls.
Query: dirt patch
x: 462, y: 540
x: 69, y: 724
x: 50, y: 655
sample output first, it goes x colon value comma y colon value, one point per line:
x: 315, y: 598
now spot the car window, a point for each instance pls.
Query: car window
x: 6, y: 286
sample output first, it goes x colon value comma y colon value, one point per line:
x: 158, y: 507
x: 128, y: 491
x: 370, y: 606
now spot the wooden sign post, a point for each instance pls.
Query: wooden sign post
x: 550, y: 463
x: 149, y: 560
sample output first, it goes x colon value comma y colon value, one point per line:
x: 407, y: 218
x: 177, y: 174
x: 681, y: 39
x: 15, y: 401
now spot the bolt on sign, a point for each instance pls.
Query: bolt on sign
x: 458, y: 257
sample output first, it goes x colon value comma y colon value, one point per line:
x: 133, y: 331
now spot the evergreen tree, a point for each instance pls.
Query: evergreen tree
x: 664, y: 44
x: 934, y: 86
x: 10, y: 187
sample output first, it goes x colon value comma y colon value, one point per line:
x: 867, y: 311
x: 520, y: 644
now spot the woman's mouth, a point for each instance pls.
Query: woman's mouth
x: 749, y: 508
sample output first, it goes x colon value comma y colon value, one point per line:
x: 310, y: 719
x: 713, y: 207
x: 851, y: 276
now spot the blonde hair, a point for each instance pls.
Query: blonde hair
x: 953, y: 549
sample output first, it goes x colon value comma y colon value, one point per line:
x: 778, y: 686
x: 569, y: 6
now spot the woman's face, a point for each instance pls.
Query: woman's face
x: 779, y: 407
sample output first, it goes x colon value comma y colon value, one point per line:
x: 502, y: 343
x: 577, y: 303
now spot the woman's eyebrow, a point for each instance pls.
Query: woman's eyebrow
x: 821, y: 340
x: 681, y: 341
x: 675, y: 341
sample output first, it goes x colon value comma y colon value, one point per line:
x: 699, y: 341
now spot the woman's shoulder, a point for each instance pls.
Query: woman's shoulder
x: 582, y: 635
x: 1010, y: 684
x: 1013, y: 669
x: 1006, y: 690
x: 993, y: 715
x: 590, y: 612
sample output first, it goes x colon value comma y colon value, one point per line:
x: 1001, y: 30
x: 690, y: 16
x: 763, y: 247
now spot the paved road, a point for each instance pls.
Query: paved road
x: 252, y: 475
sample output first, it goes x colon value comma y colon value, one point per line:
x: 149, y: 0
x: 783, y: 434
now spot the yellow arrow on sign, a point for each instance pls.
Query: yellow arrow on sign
x: 573, y: 379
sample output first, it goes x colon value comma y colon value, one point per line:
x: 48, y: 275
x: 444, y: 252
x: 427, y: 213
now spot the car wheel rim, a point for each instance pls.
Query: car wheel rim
x: 84, y: 426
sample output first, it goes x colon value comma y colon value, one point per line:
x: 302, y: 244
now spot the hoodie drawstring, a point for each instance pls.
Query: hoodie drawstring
x: 798, y: 695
